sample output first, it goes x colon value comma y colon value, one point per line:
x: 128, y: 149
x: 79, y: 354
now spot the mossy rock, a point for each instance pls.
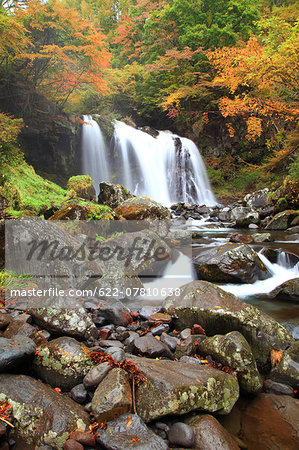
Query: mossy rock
x: 81, y: 186
x: 83, y: 210
x: 140, y: 208
x: 281, y: 205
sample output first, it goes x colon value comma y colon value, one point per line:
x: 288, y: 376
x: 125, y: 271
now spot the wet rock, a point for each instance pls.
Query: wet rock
x: 239, y: 211
x: 84, y: 438
x: 14, y: 352
x: 112, y: 397
x: 271, y: 387
x: 43, y: 416
x: 288, y: 290
x: 149, y: 346
x: 269, y: 422
x: 147, y: 311
x: 5, y: 320
x: 17, y: 327
x: 282, y: 220
x: 140, y: 208
x: 170, y: 341
x: 287, y: 371
x: 79, y: 394
x: 81, y: 186
x: 65, y: 322
x: 241, y: 238
x: 188, y: 346
x: 76, y: 211
x: 252, y: 226
x: 71, y: 444
x: 220, y: 312
x: 159, y: 318
x: 113, y: 314
x: 262, y: 237
x: 122, y: 433
x: 93, y: 378
x: 182, y: 435
x: 189, y: 360
x: 210, y: 435
x: 197, y: 329
x: 113, y: 195
x: 231, y: 263
x: 117, y: 353
x: 173, y: 387
x: 159, y: 329
x: 233, y: 350
x: 250, y: 218
x: 62, y: 363
x: 257, y: 199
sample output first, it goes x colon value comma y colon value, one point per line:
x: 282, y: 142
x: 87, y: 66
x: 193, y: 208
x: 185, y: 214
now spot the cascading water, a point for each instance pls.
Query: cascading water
x: 166, y: 167
x: 94, y: 153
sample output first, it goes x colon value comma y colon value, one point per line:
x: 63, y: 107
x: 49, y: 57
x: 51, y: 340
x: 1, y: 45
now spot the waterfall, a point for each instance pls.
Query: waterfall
x: 94, y: 153
x: 162, y: 166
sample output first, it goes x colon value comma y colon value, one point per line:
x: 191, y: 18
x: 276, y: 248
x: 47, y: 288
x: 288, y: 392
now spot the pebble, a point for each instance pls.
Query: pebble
x: 93, y: 378
x: 117, y: 354
x: 159, y: 318
x: 104, y: 333
x: 185, y: 333
x: 197, y: 329
x: 170, y: 341
x: 71, y: 444
x: 147, y: 311
x: 159, y: 329
x: 79, y: 393
x: 272, y: 387
x: 181, y: 434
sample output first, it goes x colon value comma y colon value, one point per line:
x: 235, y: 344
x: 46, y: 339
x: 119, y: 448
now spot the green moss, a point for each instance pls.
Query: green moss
x: 26, y: 192
x: 81, y: 185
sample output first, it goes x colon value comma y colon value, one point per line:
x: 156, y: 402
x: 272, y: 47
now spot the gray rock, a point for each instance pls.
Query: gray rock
x: 282, y: 220
x: 185, y: 333
x: 17, y: 327
x: 112, y: 195
x: 170, y: 341
x: 287, y: 371
x: 239, y: 211
x: 149, y: 346
x: 93, y: 378
x: 79, y: 394
x: 188, y: 346
x: 112, y: 397
x: 262, y: 237
x: 233, y: 350
x: 117, y: 353
x: 289, y: 290
x: 257, y: 199
x: 220, y: 312
x: 253, y: 226
x: 120, y: 432
x: 172, y: 387
x: 182, y: 435
x: 250, y: 218
x: 16, y: 351
x: 230, y: 263
x: 147, y: 311
x: 62, y: 363
x: 43, y: 416
x: 271, y: 387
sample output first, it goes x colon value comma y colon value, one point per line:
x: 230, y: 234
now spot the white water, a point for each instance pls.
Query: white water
x: 281, y: 272
x: 157, y: 168
x: 95, y: 160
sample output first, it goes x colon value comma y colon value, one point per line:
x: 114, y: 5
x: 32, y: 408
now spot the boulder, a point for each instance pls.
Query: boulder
x: 282, y: 220
x: 239, y: 211
x: 269, y: 422
x: 287, y: 371
x: 129, y: 431
x: 262, y: 237
x: 250, y: 218
x: 230, y: 263
x: 5, y: 320
x: 65, y: 322
x: 233, y: 350
x: 172, y: 387
x: 220, y: 312
x: 81, y: 186
x: 112, y: 397
x: 14, y: 352
x: 113, y: 195
x: 62, y: 363
x: 272, y: 387
x: 140, y: 208
x: 17, y: 327
x: 77, y: 211
x: 241, y: 238
x: 43, y: 416
x: 210, y: 435
x: 257, y: 199
x: 289, y: 290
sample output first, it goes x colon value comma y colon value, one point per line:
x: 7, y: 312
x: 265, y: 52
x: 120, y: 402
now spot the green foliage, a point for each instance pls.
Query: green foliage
x: 294, y: 168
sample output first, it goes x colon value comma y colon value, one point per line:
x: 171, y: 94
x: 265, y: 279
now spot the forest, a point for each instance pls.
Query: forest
x: 190, y: 66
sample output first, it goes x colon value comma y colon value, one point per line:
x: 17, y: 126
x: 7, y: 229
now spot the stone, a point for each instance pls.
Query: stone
x: 140, y: 208
x: 289, y: 290
x: 210, y: 435
x: 233, y: 350
x: 282, y: 220
x: 113, y: 195
x: 81, y: 186
x: 188, y: 346
x: 252, y: 217
x: 287, y: 371
x: 159, y: 329
x: 271, y: 387
x: 84, y: 438
x: 185, y: 333
x: 221, y: 312
x: 170, y: 341
x: 257, y: 199
x: 269, y: 422
x: 79, y: 394
x: 181, y: 435
x: 104, y: 333
x: 262, y: 237
x: 95, y: 375
x: 43, y: 416
x: 117, y: 353
x: 62, y: 363
x: 197, y: 329
x: 76, y: 211
x: 65, y: 322
x: 230, y: 263
x: 241, y: 238
x: 253, y: 226
x: 122, y: 433
x: 147, y: 311
x: 149, y: 346
x: 14, y: 352
x: 71, y: 444
x: 172, y: 387
x: 112, y: 397
x: 5, y: 320
x: 113, y: 314
x: 17, y: 327
x: 239, y: 211
x: 159, y: 318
